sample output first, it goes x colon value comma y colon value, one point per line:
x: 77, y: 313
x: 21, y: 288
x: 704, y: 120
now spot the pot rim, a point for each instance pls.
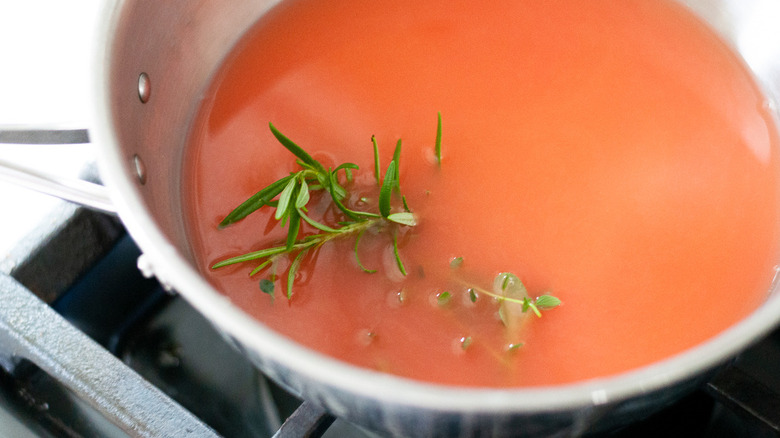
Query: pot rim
x: 165, y: 260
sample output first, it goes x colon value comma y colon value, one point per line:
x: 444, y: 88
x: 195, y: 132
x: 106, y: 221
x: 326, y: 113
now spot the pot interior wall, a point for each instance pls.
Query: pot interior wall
x: 177, y: 45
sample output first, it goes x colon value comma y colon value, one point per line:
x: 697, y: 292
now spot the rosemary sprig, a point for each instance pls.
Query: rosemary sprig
x: 294, y: 192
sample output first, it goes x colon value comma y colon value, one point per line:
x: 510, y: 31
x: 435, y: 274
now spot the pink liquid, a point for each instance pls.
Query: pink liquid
x: 614, y: 154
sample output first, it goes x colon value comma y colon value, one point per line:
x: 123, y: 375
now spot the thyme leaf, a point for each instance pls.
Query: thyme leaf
x: 296, y: 150
x: 547, y: 302
x: 267, y: 286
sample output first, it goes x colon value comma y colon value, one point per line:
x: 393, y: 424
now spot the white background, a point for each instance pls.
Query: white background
x: 44, y: 64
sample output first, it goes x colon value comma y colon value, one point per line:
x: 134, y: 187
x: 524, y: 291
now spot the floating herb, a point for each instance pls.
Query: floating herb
x: 291, y: 194
x: 456, y: 262
x: 443, y: 298
x: 437, y: 145
x: 512, y: 295
x: 267, y: 286
x: 514, y: 346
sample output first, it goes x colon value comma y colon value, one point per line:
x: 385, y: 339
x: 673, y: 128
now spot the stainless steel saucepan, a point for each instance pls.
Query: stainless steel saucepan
x: 152, y: 62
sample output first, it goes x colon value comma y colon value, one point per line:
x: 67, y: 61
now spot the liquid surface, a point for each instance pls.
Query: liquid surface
x: 613, y: 154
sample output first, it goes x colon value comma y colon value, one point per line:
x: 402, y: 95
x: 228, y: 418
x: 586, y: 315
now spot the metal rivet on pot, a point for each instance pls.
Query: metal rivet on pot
x: 144, y: 87
x: 140, y: 169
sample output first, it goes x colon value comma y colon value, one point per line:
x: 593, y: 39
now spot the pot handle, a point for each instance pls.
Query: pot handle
x: 87, y: 194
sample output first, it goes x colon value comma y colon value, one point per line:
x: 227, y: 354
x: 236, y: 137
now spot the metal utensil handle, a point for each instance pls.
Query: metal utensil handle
x: 88, y: 194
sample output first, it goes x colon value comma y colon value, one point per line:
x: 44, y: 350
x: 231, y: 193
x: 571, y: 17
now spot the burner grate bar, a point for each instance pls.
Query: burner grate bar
x: 746, y: 395
x: 30, y: 330
x: 308, y: 421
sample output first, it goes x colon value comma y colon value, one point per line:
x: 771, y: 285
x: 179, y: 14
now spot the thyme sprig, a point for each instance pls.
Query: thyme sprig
x: 511, y: 294
x: 290, y: 196
x: 508, y: 290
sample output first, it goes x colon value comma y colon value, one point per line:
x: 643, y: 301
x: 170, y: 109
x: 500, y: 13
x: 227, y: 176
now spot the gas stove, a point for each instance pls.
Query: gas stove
x: 89, y: 347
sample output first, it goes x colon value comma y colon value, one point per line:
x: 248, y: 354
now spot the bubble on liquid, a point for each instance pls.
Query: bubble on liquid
x: 396, y: 298
x: 362, y: 201
x: 366, y: 337
x: 429, y: 154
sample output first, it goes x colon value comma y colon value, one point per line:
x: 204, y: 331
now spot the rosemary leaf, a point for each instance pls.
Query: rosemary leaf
x: 346, y: 167
x: 406, y: 206
x: 338, y: 191
x: 307, y: 166
x: 336, y: 200
x: 357, y: 257
x: 284, y: 200
x: 255, y: 255
x: 296, y: 150
x: 256, y: 201
x: 397, y: 160
x: 295, y: 226
x: 437, y: 145
x: 317, y: 225
x: 353, y: 214
x: 397, y: 255
x: 296, y: 263
x: 303, y: 195
x: 386, y: 191
x: 377, y: 175
x: 261, y: 267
